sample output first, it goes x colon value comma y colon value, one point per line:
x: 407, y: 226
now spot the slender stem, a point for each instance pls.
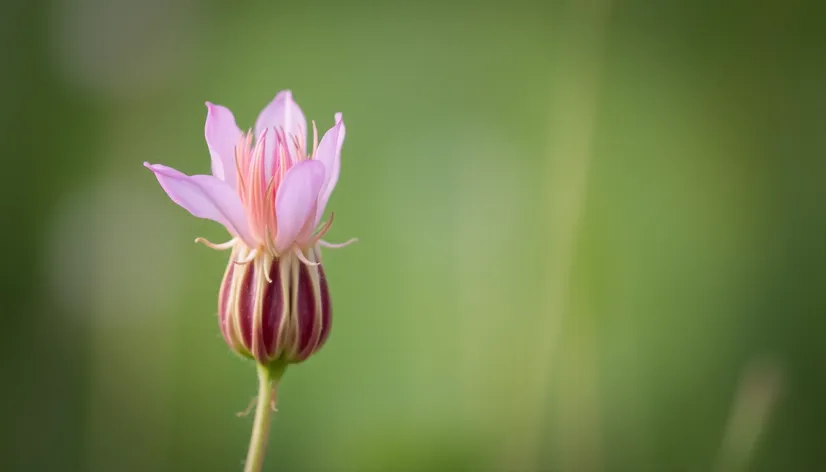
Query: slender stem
x: 261, y: 425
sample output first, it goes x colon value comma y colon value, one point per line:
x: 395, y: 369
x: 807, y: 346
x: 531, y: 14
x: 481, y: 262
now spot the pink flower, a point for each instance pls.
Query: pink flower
x: 266, y: 189
x: 270, y: 192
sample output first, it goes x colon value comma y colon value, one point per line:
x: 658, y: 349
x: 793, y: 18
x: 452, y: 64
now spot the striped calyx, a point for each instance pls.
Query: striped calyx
x: 274, y: 308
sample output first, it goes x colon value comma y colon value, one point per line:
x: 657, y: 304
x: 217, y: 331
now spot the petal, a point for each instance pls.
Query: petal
x: 329, y: 153
x: 283, y: 113
x: 222, y: 136
x: 205, y: 196
x: 297, y: 197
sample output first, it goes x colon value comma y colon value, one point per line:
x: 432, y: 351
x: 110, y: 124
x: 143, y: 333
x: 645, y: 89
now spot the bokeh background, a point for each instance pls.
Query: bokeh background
x: 591, y: 235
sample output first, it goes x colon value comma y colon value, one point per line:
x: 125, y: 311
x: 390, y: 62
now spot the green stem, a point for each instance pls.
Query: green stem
x: 261, y: 425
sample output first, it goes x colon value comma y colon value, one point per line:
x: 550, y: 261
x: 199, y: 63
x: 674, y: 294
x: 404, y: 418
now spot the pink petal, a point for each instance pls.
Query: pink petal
x: 297, y: 197
x: 329, y: 153
x: 283, y: 113
x: 205, y: 196
x: 222, y: 136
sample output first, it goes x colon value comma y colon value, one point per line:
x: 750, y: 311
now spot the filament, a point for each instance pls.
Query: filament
x: 218, y: 247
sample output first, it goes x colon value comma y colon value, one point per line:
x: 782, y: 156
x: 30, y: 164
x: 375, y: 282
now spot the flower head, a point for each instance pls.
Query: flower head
x: 269, y: 190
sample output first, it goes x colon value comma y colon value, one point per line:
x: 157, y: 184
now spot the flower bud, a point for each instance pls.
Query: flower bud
x: 274, y: 308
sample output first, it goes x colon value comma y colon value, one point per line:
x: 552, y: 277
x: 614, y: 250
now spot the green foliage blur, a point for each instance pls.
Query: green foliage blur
x: 591, y: 235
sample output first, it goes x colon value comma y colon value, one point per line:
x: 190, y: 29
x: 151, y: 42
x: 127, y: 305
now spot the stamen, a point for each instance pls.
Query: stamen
x: 337, y: 245
x: 257, y: 184
x: 250, y: 257
x: 239, y: 158
x: 299, y: 153
x: 270, y: 240
x: 315, y: 139
x: 269, y: 206
x: 283, y: 158
x: 260, y: 265
x: 218, y: 247
x: 303, y: 259
x: 323, y: 230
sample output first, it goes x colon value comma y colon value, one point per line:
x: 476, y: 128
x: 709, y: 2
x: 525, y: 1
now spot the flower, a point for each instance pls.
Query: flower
x: 270, y: 193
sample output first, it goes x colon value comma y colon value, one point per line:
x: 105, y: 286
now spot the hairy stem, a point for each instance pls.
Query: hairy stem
x: 261, y: 425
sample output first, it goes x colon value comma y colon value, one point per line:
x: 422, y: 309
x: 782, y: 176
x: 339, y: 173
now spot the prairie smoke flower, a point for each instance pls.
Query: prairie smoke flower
x: 269, y: 191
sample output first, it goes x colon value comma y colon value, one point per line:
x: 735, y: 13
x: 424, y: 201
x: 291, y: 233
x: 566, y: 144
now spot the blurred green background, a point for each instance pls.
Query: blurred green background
x: 591, y: 235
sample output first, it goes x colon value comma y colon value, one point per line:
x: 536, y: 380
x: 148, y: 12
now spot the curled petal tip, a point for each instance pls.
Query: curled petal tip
x: 338, y: 117
x: 156, y: 168
x: 211, y: 107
